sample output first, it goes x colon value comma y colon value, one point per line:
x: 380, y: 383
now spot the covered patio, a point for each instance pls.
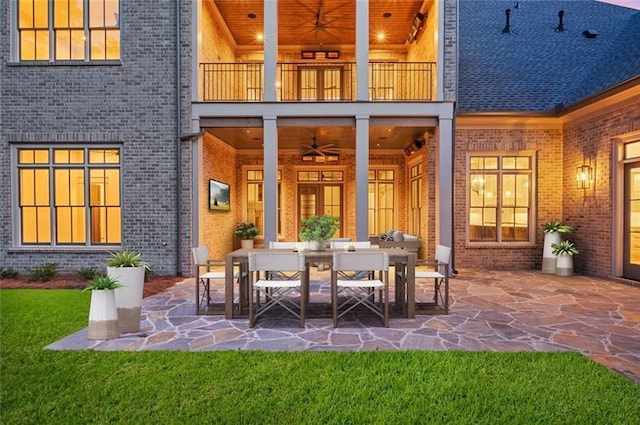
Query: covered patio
x: 490, y: 311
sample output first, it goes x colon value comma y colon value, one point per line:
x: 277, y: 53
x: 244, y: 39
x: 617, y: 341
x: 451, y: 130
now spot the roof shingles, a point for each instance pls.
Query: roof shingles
x: 536, y: 67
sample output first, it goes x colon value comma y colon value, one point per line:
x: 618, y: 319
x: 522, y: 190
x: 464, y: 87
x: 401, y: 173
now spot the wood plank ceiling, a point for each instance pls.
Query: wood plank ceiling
x: 320, y: 23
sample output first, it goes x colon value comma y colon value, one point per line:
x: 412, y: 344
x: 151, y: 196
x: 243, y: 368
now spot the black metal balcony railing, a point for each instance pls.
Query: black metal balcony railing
x: 318, y: 82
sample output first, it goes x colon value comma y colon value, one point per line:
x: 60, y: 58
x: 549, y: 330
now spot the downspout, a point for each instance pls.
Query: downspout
x: 178, y: 149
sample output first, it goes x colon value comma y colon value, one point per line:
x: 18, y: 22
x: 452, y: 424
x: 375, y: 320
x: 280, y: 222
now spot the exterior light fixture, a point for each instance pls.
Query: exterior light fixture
x: 583, y: 176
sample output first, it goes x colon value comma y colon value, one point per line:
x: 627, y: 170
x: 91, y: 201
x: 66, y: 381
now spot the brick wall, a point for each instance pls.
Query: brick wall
x: 591, y: 140
x: 132, y: 103
x: 547, y: 144
x: 217, y: 227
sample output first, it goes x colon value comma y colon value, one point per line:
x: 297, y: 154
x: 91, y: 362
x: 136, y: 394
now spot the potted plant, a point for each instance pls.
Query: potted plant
x: 103, y: 314
x: 246, y: 231
x: 127, y: 267
x: 552, y: 231
x: 318, y: 230
x: 565, y: 250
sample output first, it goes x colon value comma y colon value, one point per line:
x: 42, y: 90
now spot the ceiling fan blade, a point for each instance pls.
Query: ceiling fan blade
x: 326, y: 146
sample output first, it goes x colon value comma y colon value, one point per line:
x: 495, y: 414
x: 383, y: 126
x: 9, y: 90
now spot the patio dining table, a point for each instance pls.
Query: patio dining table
x: 403, y: 261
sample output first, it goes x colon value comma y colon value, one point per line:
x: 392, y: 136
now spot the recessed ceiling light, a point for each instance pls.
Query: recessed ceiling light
x: 251, y: 16
x: 386, y: 15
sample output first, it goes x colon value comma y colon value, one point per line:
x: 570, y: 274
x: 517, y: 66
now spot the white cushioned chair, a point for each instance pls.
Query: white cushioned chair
x: 348, y: 279
x: 282, y: 271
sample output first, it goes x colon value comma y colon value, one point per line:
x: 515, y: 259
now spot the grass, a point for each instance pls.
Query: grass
x: 244, y: 387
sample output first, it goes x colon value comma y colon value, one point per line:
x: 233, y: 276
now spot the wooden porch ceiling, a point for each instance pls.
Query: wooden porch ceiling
x: 380, y: 137
x: 320, y: 23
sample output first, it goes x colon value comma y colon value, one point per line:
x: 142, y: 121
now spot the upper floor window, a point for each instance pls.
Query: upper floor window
x: 69, y: 196
x: 500, y: 198
x: 64, y: 30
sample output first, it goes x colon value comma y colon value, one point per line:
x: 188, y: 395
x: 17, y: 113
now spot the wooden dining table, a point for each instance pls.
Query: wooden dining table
x: 403, y: 261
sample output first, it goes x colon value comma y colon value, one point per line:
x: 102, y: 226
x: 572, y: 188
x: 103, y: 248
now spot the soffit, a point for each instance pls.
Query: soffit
x: 320, y: 23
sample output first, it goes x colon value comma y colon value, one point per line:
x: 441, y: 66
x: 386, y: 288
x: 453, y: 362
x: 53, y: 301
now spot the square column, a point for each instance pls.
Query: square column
x: 270, y: 50
x: 362, y: 178
x: 270, y: 153
x: 362, y: 50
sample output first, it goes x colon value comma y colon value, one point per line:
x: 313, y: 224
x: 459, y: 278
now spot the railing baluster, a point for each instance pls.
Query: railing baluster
x: 322, y: 81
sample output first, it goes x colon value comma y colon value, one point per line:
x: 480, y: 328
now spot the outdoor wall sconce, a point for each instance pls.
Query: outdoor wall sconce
x: 583, y: 176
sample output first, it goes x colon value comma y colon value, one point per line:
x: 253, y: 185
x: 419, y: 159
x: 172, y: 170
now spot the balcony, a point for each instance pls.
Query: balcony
x: 318, y: 82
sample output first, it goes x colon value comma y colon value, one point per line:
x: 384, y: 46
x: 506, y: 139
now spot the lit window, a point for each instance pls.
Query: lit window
x: 77, y: 30
x: 69, y: 196
x: 381, y: 201
x: 254, y: 212
x: 500, y: 196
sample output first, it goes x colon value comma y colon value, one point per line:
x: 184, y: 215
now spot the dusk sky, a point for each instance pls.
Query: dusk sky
x: 635, y: 4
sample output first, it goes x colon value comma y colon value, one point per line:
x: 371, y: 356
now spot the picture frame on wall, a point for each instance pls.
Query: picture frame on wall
x: 219, y: 196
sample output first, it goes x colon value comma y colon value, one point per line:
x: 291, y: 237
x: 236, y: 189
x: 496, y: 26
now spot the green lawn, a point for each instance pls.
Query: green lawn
x: 241, y: 387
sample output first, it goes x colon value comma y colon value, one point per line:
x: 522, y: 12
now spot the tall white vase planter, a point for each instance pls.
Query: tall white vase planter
x: 565, y: 251
x: 129, y: 298
x: 127, y: 267
x: 549, y: 259
x: 553, y: 230
x: 564, y: 265
x: 103, y: 316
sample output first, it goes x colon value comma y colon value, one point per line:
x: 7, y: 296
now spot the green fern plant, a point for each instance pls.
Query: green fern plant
x: 564, y: 248
x: 556, y: 226
x: 102, y: 283
x: 127, y: 258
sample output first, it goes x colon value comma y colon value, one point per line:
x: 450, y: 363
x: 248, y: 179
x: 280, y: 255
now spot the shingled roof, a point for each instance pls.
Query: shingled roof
x: 535, y: 67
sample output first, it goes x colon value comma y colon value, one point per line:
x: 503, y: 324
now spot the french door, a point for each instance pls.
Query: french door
x: 318, y: 199
x: 320, y: 83
x: 631, y: 261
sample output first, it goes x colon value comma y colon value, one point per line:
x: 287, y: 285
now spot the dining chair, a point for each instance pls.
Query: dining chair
x: 288, y: 245
x: 348, y: 279
x: 283, y: 272
x: 204, y: 275
x: 440, y: 275
x: 347, y: 244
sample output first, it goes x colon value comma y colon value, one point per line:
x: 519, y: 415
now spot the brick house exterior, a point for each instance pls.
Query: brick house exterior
x: 510, y: 93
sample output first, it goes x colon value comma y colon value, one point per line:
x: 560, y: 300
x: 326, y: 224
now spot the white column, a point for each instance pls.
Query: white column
x: 270, y: 50
x: 444, y: 185
x: 362, y: 178
x: 270, y: 152
x: 362, y: 50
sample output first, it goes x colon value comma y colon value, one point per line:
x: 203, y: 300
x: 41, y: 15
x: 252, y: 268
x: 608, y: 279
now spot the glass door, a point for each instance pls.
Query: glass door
x: 318, y: 199
x: 320, y: 83
x: 631, y: 263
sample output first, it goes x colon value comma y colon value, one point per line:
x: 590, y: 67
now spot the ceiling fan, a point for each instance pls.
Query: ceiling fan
x: 323, y: 22
x: 322, y: 153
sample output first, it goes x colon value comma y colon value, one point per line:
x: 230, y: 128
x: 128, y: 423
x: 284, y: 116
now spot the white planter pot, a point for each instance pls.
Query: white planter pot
x: 129, y: 298
x: 316, y: 245
x: 548, y: 258
x: 246, y: 243
x: 564, y: 265
x: 103, y: 315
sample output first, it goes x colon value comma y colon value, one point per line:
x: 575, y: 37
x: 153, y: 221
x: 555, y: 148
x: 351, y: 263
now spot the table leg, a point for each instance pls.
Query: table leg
x: 411, y: 286
x: 228, y: 287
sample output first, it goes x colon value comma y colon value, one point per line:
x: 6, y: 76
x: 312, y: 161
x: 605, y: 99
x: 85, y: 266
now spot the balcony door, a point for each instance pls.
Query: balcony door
x: 631, y: 262
x: 320, y: 83
x: 318, y: 199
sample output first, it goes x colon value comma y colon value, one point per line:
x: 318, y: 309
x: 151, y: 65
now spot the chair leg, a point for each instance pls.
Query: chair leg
x: 251, y: 310
x: 334, y: 302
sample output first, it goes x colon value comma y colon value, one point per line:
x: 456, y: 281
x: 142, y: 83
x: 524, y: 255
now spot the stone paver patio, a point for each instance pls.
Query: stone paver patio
x: 490, y: 311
